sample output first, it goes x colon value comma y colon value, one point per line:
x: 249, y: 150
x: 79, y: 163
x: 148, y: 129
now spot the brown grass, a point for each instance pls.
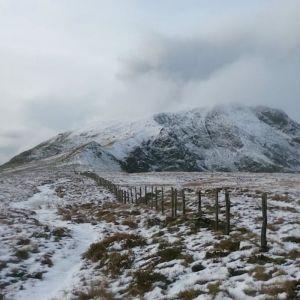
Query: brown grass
x: 22, y: 254
x: 116, y: 263
x: 143, y: 281
x: 263, y: 259
x: 280, y: 197
x: 95, y: 292
x: 189, y: 294
x: 130, y: 223
x: 98, y: 251
x: 223, y: 248
x: 259, y: 273
x: 214, y: 288
x: 105, y: 215
x: 46, y: 260
x: 288, y: 287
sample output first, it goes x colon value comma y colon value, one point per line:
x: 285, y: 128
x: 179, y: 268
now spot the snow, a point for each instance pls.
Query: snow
x: 119, y: 137
x: 67, y: 262
x: 35, y: 201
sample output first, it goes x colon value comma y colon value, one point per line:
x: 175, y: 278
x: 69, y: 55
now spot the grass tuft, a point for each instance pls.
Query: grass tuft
x: 98, y: 251
x: 259, y: 274
x: 143, y: 281
x: 117, y: 262
x: 22, y: 254
x: 189, y: 294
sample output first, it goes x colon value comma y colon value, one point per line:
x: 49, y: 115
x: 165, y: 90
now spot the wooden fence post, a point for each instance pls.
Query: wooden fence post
x: 172, y: 201
x: 162, y: 201
x: 199, y: 203
x: 135, y: 194
x: 156, y: 198
x: 146, y: 200
x: 124, y: 195
x: 227, y: 201
x: 152, y: 196
x: 175, y: 204
x: 183, y: 202
x: 264, y: 247
x: 217, y: 210
x: 140, y: 194
x: 131, y: 195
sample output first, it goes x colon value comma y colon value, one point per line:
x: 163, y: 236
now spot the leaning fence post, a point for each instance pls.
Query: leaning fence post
x: 227, y: 201
x: 264, y: 247
x: 217, y: 210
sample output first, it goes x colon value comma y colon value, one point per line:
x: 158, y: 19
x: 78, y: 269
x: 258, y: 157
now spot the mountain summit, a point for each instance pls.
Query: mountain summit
x: 223, y: 138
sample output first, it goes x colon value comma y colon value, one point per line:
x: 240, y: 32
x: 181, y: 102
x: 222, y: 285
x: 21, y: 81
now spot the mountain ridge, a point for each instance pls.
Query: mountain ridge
x: 222, y: 138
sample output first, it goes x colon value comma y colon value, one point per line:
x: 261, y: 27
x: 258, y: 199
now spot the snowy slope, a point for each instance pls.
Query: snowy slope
x: 223, y: 138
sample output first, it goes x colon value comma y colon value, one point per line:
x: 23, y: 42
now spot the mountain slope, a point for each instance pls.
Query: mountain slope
x: 224, y: 138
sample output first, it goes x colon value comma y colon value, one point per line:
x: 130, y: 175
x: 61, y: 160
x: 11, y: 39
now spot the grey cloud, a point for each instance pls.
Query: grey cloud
x: 58, y: 113
x: 185, y: 59
x: 11, y: 134
x: 254, y: 62
x: 59, y: 70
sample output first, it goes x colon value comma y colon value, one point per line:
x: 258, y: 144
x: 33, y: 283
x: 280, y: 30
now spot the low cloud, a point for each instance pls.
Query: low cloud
x: 58, y: 73
x: 252, y: 62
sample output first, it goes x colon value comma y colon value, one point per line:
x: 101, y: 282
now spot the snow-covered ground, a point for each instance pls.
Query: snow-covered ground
x: 50, y: 216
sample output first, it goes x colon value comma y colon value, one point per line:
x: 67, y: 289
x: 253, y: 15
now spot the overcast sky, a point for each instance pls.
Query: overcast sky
x: 64, y: 62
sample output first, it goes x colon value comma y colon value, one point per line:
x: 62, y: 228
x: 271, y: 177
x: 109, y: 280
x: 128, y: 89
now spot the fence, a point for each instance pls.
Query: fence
x: 174, y: 202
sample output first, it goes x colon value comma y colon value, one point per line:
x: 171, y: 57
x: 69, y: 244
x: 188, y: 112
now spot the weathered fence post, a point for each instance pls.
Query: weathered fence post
x: 120, y: 195
x: 135, y: 194
x: 217, y: 210
x: 199, y: 203
x: 175, y: 204
x: 124, y: 193
x: 227, y: 201
x: 140, y: 194
x: 183, y: 202
x: 146, y: 200
x: 264, y: 247
x: 131, y: 195
x: 156, y: 198
x: 162, y: 201
x: 152, y: 196
x: 172, y: 201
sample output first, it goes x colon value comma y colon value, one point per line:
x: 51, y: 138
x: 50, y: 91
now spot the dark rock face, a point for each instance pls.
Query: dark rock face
x: 279, y: 120
x: 165, y: 153
x: 193, y: 142
x: 224, y: 138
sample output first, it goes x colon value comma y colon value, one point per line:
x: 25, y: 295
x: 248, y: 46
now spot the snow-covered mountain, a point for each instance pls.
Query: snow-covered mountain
x: 223, y: 138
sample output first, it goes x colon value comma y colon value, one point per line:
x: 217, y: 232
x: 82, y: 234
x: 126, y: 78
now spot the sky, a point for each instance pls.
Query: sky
x: 66, y: 62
